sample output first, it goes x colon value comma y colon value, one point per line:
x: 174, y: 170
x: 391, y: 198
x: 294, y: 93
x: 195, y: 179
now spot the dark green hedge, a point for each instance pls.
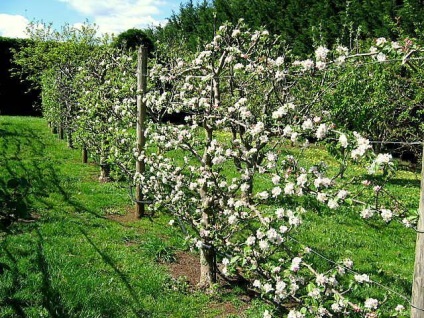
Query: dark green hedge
x: 16, y: 98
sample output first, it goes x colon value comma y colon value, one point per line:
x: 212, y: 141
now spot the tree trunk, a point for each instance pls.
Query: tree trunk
x: 84, y: 155
x: 207, y: 253
x: 61, y: 132
x: 70, y: 141
x: 417, y: 302
x: 104, y: 172
x: 104, y: 167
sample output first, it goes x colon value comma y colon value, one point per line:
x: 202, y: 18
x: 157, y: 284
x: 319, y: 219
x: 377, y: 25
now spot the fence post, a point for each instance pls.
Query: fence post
x: 141, y: 117
x: 417, y: 309
x: 84, y: 154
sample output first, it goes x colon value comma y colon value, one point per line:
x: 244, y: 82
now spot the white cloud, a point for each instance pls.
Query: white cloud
x: 13, y: 26
x: 115, y: 16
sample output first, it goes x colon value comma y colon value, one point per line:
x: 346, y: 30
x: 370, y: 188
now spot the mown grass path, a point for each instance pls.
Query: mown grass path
x: 64, y: 257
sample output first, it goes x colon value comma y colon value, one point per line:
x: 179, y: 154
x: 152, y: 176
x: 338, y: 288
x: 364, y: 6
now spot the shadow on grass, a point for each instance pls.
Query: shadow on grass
x: 109, y: 261
x: 28, y: 175
x: 51, y: 297
x: 405, y: 182
x: 9, y: 300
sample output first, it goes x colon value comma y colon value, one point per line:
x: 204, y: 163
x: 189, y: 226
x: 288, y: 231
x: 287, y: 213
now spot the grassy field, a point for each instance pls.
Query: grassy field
x: 76, y: 252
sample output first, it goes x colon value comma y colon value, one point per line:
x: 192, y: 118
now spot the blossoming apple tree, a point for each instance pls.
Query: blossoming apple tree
x: 106, y: 115
x: 230, y: 174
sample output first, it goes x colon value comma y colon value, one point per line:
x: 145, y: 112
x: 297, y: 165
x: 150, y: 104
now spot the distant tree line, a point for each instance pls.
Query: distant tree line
x: 301, y: 23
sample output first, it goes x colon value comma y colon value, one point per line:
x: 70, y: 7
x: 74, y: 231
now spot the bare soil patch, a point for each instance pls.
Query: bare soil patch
x: 187, y: 265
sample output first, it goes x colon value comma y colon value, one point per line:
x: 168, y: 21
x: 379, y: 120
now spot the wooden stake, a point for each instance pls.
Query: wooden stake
x: 417, y: 309
x: 84, y: 155
x: 61, y: 132
x: 141, y: 117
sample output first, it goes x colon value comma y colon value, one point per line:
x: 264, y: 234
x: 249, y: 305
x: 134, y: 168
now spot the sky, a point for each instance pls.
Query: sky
x: 110, y: 16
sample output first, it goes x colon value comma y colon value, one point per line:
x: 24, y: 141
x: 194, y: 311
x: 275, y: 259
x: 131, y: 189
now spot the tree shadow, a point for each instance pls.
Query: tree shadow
x: 10, y: 300
x: 124, y: 279
x: 29, y: 177
x: 405, y: 182
x: 51, y: 297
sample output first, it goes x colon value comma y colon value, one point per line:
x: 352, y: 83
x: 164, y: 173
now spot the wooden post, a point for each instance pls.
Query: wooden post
x: 417, y: 309
x: 84, y: 154
x: 141, y: 117
x: 61, y: 132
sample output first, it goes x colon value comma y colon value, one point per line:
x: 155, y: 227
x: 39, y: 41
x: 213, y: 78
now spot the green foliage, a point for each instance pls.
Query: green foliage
x: 302, y: 24
x: 132, y: 39
x: 383, y: 101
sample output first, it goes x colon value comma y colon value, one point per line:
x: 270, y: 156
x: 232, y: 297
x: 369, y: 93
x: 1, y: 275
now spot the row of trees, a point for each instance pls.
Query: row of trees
x: 245, y: 98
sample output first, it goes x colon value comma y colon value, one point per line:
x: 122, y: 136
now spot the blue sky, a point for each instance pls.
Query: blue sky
x: 111, y: 16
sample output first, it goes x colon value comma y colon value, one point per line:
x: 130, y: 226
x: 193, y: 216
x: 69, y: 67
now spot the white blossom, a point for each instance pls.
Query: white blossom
x: 307, y: 65
x: 321, y: 53
x: 342, y: 194
x: 267, y: 287
x: 235, y: 33
x: 302, y: 179
x: 257, y: 283
x: 381, y: 57
x: 289, y: 188
x: 263, y: 245
x: 386, y: 215
x: 276, y: 179
x: 399, y: 308
x: 371, y: 303
x: 250, y: 240
x: 276, y: 192
x: 295, y: 314
x: 267, y: 314
x: 364, y: 278
x: 380, y: 41
x: 332, y: 204
x: 343, y: 140
x: 295, y: 265
x: 307, y: 124
x: 321, y: 131
x: 367, y: 213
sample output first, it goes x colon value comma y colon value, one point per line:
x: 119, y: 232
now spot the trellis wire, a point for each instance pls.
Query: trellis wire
x: 232, y: 76
x: 397, y: 142
x: 356, y: 273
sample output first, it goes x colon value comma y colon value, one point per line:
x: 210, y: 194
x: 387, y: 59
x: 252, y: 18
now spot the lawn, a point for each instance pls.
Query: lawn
x: 76, y: 250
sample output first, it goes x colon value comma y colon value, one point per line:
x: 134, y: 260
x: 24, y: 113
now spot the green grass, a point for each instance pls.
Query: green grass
x: 64, y: 257
x: 73, y: 261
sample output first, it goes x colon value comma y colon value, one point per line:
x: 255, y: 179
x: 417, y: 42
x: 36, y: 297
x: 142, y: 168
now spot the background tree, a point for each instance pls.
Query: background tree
x: 132, y: 39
